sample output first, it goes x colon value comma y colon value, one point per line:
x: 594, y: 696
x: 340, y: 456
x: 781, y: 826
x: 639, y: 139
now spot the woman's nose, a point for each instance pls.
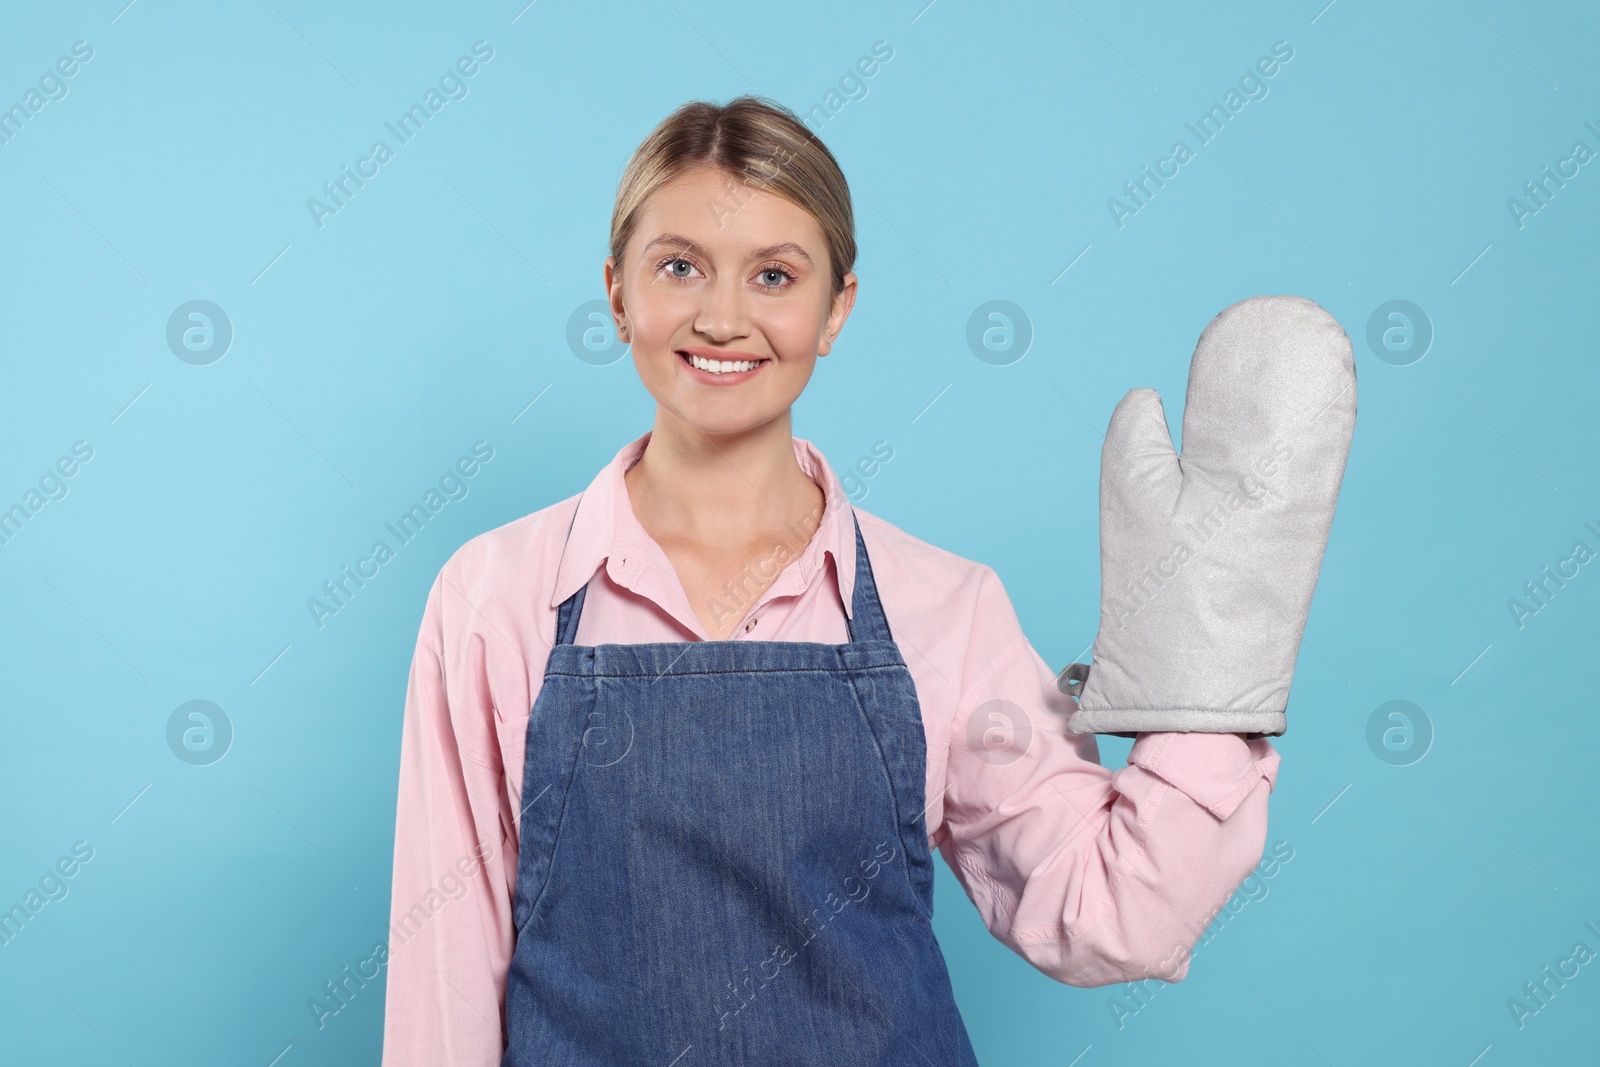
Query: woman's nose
x: 722, y: 314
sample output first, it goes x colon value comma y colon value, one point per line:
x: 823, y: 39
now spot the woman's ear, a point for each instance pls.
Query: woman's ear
x: 619, y: 314
x: 843, y: 301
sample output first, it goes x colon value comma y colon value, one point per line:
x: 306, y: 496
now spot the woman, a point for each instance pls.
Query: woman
x: 698, y: 829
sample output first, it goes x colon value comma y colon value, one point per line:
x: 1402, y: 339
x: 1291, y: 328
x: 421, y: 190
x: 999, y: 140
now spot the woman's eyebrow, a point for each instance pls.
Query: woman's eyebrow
x: 787, y: 247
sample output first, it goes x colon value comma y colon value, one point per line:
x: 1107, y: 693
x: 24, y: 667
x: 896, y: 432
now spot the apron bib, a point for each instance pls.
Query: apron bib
x: 724, y: 857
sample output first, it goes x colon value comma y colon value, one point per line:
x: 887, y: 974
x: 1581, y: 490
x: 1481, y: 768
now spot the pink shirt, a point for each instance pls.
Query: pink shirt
x: 1092, y: 875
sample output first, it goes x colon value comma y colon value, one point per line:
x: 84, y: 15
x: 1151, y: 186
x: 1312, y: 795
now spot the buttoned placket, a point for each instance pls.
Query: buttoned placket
x: 629, y: 577
x: 808, y: 571
x: 625, y: 576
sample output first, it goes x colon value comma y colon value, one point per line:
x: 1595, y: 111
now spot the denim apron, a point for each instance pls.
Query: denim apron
x: 724, y: 857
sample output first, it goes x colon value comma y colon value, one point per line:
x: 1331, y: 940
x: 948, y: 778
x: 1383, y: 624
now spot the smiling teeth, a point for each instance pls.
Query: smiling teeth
x: 717, y: 366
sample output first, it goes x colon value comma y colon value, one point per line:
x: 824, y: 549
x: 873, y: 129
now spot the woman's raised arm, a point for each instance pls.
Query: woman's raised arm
x: 1094, y: 876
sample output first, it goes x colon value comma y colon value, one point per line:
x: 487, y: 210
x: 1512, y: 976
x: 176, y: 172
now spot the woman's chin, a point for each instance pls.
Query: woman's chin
x: 726, y: 420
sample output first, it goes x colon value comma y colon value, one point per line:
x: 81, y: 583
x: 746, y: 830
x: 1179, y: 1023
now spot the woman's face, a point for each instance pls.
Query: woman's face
x: 717, y: 271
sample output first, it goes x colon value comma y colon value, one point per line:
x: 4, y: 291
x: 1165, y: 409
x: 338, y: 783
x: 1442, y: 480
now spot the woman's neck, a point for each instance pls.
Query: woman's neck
x: 722, y: 491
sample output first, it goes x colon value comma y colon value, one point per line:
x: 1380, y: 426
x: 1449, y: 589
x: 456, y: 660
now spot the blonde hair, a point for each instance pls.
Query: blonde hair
x: 757, y: 141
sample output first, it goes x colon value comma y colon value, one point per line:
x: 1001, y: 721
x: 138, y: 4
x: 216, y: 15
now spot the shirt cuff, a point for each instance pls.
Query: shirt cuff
x: 1216, y: 771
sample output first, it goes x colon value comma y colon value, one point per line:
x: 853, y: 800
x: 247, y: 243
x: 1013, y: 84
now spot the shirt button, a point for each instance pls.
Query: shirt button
x: 751, y: 625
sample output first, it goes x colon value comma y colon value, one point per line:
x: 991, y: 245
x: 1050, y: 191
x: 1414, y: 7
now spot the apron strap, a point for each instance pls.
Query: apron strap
x: 572, y: 607
x: 866, y: 621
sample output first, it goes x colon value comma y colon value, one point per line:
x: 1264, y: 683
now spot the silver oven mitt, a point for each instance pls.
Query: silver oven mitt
x: 1208, y: 559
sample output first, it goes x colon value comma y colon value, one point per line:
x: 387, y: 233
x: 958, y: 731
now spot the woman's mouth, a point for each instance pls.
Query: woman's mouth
x: 717, y: 371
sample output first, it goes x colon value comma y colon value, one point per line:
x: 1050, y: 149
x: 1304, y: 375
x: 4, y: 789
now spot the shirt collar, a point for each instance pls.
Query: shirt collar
x: 605, y: 514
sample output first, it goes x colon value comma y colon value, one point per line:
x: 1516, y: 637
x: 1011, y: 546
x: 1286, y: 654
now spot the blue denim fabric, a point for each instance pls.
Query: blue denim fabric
x: 724, y: 858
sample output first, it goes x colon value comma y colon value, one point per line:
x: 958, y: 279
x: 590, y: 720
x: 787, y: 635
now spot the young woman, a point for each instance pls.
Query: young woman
x: 677, y: 750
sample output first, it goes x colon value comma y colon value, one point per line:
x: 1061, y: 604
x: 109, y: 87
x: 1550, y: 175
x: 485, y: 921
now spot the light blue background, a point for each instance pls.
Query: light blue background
x: 370, y: 353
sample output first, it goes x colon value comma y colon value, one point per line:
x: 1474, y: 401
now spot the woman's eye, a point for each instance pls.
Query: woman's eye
x: 682, y: 269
